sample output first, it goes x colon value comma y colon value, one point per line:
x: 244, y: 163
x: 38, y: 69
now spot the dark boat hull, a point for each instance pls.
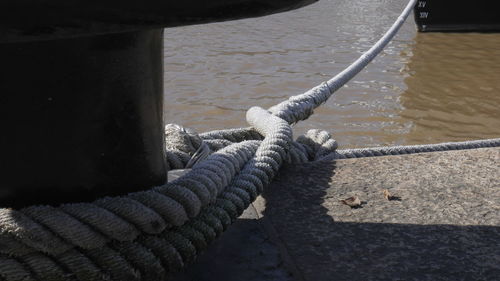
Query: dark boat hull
x: 457, y: 15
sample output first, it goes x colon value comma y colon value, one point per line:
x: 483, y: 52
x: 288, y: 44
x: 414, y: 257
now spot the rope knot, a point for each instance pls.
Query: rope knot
x: 319, y: 144
x: 184, y: 147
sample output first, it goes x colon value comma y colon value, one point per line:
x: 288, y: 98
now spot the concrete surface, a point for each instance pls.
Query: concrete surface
x: 445, y: 224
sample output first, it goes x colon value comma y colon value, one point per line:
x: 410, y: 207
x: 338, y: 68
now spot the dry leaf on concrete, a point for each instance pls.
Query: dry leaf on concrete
x: 353, y: 202
x: 389, y: 196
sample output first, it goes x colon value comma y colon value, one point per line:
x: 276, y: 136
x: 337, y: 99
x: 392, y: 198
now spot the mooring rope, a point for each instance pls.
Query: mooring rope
x: 147, y: 235
x: 411, y: 149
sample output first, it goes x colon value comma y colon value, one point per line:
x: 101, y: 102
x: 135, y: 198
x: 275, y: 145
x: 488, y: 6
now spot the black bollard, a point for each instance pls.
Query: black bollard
x: 81, y: 93
x: 81, y: 118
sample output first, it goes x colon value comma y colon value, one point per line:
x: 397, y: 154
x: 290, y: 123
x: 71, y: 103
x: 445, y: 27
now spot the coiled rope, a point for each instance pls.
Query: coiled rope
x: 147, y: 235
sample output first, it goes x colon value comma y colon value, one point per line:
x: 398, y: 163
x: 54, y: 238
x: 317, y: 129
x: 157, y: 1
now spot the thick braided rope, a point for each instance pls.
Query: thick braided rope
x: 89, y: 225
x: 145, y: 235
x: 151, y: 257
x: 300, y: 107
x: 233, y: 135
x: 410, y: 149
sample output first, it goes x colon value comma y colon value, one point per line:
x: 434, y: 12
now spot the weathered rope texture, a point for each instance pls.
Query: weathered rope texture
x: 410, y: 149
x: 147, y: 235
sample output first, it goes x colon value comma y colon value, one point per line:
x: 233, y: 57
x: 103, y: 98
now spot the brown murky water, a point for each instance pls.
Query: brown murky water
x: 424, y: 88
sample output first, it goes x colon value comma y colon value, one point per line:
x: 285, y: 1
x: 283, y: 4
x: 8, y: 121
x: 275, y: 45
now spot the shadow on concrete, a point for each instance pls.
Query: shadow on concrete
x: 304, y: 233
x: 244, y: 252
x: 251, y: 250
x: 302, y: 213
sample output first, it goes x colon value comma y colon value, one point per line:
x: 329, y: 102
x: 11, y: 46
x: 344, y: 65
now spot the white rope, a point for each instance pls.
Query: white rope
x: 300, y: 107
x: 145, y: 235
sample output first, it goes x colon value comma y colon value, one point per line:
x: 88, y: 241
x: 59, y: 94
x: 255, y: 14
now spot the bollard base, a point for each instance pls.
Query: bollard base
x: 81, y: 118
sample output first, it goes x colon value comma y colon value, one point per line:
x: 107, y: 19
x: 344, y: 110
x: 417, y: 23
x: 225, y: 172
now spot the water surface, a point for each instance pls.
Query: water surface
x: 424, y: 88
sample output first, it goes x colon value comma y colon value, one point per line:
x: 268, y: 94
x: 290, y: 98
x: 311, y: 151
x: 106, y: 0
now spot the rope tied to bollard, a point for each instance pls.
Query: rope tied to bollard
x: 147, y: 235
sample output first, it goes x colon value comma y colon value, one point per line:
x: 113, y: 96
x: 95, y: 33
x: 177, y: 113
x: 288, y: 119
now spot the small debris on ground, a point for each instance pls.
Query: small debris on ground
x: 389, y: 196
x: 353, y: 202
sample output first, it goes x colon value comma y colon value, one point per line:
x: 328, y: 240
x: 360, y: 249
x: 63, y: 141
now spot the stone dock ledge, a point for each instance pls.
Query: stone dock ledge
x: 444, y: 225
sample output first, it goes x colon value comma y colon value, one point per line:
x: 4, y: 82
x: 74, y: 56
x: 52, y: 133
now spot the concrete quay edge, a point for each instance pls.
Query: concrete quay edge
x: 444, y: 223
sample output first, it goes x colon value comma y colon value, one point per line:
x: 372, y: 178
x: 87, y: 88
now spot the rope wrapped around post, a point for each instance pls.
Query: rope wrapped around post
x: 148, y: 235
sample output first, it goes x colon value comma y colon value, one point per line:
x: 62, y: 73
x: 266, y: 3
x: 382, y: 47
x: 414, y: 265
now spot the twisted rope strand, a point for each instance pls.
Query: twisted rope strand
x: 147, y: 235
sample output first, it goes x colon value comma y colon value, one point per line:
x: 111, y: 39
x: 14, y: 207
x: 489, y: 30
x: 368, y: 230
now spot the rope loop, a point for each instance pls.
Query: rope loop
x: 149, y: 234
